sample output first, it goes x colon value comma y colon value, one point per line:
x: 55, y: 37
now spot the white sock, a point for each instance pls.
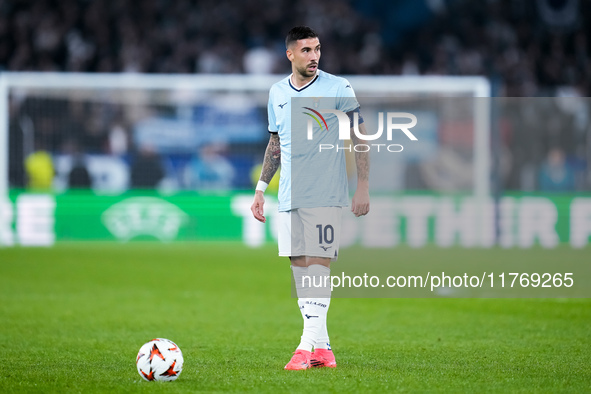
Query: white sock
x: 302, y: 288
x: 323, y: 341
x: 312, y: 326
x: 316, y: 307
x: 298, y: 274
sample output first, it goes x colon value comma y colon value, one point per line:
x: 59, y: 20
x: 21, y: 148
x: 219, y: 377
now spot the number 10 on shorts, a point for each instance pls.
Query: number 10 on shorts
x: 325, y: 234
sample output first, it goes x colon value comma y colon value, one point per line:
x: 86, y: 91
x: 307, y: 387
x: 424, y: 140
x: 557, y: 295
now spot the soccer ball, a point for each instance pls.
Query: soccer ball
x: 159, y: 359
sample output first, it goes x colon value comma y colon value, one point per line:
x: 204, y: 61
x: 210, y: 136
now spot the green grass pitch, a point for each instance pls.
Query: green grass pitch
x: 73, y: 317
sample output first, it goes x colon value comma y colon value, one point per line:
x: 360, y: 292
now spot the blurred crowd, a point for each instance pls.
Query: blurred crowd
x: 529, y: 48
x: 526, y: 48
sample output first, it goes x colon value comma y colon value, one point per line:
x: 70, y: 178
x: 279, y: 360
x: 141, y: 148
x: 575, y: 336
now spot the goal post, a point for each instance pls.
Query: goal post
x: 98, y: 85
x: 4, y: 151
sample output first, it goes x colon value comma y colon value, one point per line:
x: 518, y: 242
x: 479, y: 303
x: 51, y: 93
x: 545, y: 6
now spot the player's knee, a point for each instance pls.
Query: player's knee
x: 298, y: 261
x: 318, y: 260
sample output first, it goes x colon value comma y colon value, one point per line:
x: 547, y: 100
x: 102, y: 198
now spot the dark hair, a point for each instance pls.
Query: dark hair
x: 299, y: 33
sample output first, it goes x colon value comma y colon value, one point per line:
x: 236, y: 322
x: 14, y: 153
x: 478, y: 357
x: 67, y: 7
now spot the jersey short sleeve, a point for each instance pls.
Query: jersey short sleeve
x: 273, y: 128
x: 346, y: 100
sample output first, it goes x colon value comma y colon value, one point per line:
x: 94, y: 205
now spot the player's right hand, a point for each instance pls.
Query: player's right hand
x: 257, y: 206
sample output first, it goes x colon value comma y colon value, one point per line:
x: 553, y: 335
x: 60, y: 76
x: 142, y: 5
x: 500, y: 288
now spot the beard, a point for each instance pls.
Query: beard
x: 303, y: 71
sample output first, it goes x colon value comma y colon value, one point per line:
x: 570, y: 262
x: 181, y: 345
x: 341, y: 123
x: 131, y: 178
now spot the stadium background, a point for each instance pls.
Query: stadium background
x: 83, y: 168
x: 77, y: 140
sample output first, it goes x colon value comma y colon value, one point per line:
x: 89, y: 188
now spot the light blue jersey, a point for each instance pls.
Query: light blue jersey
x: 309, y: 177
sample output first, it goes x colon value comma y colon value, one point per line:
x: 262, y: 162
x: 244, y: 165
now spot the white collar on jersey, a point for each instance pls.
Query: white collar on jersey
x: 306, y: 85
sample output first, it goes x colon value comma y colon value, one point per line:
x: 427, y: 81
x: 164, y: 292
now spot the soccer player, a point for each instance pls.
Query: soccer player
x: 313, y: 191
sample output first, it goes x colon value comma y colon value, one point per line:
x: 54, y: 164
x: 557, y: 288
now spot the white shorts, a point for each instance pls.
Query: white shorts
x: 312, y: 232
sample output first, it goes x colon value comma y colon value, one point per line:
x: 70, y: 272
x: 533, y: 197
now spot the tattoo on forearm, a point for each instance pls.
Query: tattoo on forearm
x: 361, y: 158
x: 272, y: 159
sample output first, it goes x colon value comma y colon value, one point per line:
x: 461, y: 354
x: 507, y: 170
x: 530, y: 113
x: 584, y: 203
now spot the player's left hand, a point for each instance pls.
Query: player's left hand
x: 360, y: 203
x: 257, y: 207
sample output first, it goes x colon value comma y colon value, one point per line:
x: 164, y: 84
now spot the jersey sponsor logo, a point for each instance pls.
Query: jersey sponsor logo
x: 325, y: 248
x: 282, y: 105
x: 309, y: 316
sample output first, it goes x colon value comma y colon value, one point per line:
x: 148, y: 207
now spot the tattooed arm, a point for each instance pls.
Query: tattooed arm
x: 272, y: 158
x: 360, y: 203
x: 271, y: 163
